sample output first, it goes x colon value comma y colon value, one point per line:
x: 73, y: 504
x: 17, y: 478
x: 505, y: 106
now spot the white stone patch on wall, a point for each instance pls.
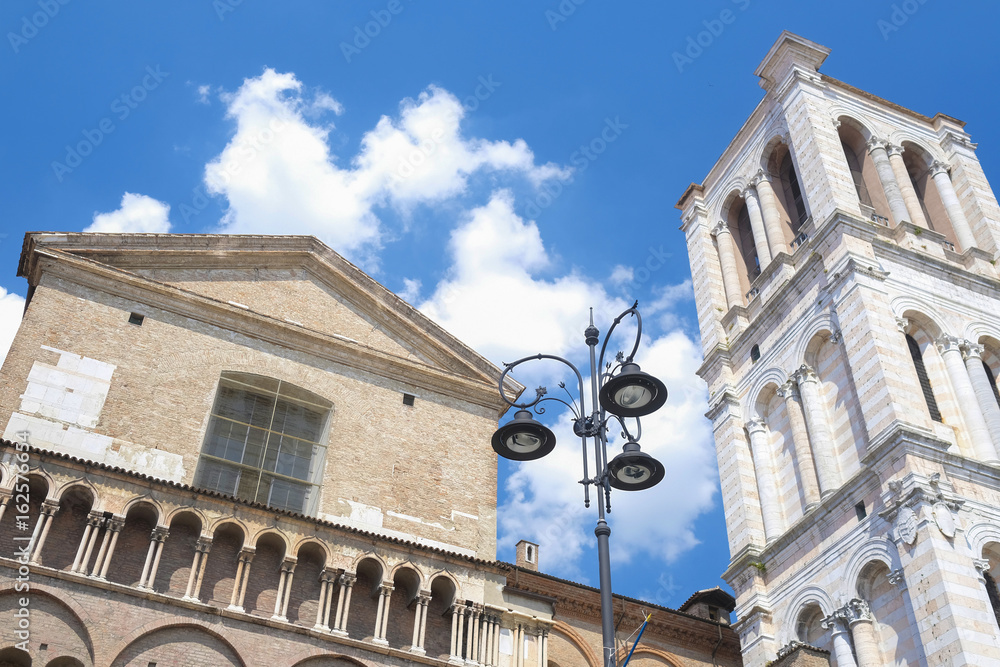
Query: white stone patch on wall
x: 369, y: 518
x: 506, y: 642
x: 61, y: 406
x: 84, y: 444
x: 73, y: 391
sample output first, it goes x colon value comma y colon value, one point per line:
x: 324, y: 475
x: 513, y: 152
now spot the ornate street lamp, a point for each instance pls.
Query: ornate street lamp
x: 618, y: 393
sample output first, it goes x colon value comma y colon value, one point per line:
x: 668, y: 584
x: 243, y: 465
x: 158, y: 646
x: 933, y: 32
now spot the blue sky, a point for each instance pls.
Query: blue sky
x: 501, y: 165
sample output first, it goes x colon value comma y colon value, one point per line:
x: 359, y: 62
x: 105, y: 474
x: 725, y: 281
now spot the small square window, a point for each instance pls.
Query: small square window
x: 408, y: 399
x: 136, y: 319
x: 860, y: 509
x: 43, y: 647
x: 755, y: 353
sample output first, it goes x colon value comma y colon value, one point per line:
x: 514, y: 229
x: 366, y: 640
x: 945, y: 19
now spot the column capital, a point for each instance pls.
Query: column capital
x: 246, y: 554
x: 972, y: 350
x: 902, y: 324
x: 860, y: 611
x: 760, y: 177
x: 204, y: 545
x: 159, y: 533
x: 938, y: 167
x: 756, y: 425
x: 288, y: 565
x: 790, y: 389
x: 94, y: 519
x: 875, y: 144
x: 721, y: 228
x: 51, y: 508
x: 806, y: 373
x: 896, y: 578
x: 750, y: 189
x: 424, y: 598
x: 347, y: 579
x: 835, y: 336
x: 893, y: 149
x: 116, y: 523
x: 836, y: 621
x: 386, y: 587
x: 328, y: 576
x: 947, y: 343
x: 982, y: 565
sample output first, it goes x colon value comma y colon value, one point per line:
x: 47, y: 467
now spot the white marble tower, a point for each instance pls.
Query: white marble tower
x: 843, y: 251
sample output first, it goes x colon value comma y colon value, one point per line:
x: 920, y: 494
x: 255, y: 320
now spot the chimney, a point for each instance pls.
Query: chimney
x: 527, y: 555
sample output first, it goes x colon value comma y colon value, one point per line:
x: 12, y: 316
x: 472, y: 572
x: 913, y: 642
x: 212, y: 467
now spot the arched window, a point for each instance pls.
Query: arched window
x: 265, y: 442
x: 793, y: 193
x: 925, y: 383
x: 747, y: 247
x: 859, y: 180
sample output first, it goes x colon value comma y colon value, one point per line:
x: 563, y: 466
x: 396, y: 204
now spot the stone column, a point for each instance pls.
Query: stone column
x: 769, y: 210
x: 201, y: 550
x: 48, y: 512
x: 284, y: 586
x: 876, y: 147
x: 94, y: 521
x: 4, y: 499
x: 382, y: 615
x: 332, y: 580
x: 471, y: 655
x: 976, y: 429
x: 115, y: 526
x: 156, y: 539
x: 347, y: 581
x: 959, y: 223
x: 800, y: 439
x: 820, y: 437
x: 545, y: 647
x: 972, y: 353
x: 420, y: 622
x: 906, y: 186
x: 757, y: 225
x: 766, y: 482
x: 323, y: 604
x: 727, y: 260
x: 457, y: 627
x: 836, y: 623
x: 240, y: 582
x: 863, y: 634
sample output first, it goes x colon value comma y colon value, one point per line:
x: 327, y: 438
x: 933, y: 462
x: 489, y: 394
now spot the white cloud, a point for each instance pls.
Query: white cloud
x: 621, y: 275
x: 495, y: 297
x: 137, y: 214
x: 11, y: 309
x: 203, y: 94
x: 280, y: 176
x: 411, y: 290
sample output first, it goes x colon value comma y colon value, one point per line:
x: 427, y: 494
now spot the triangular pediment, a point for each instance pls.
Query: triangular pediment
x: 294, y: 282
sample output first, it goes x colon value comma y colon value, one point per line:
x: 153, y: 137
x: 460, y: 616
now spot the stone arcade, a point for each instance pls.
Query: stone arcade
x: 843, y: 252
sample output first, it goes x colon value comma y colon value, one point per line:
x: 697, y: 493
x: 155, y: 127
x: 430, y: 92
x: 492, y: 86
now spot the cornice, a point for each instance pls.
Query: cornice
x: 351, y: 354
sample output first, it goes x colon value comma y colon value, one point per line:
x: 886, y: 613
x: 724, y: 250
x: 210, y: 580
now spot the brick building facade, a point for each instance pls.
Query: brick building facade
x: 843, y: 252
x: 242, y: 450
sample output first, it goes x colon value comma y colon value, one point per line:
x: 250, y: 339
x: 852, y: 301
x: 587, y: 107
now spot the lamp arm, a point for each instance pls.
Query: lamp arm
x: 538, y: 398
x: 541, y: 411
x: 634, y: 310
x: 625, y: 432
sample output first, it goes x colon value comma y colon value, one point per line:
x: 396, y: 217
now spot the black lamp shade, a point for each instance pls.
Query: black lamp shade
x: 633, y: 393
x: 633, y: 470
x: 523, y: 439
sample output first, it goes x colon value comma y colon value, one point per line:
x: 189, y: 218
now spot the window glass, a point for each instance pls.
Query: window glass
x: 265, y: 442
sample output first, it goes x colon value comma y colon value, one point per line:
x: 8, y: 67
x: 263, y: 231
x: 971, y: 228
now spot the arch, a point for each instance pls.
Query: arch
x: 807, y: 595
x: 271, y: 533
x: 771, y: 376
x: 270, y: 550
x: 879, y: 549
x: 177, y: 554
x: 76, y: 504
x: 778, y: 136
x: 577, y: 641
x: 854, y: 137
x: 918, y: 161
x: 144, y: 499
x: 163, y: 629
x: 844, y: 118
x: 304, y: 592
x: 919, y: 312
x: 980, y: 534
x: 315, y: 657
x: 406, y: 565
x: 79, y: 486
x: 736, y: 217
x: 793, y: 208
x: 371, y: 571
x: 141, y: 517
x: 38, y: 491
x: 310, y: 540
x: 213, y: 524
x: 444, y: 592
x: 61, y: 623
x: 185, y: 509
x: 370, y: 556
x: 978, y: 330
x: 64, y: 661
x: 228, y: 538
x: 406, y: 581
x: 668, y: 658
x: 734, y: 190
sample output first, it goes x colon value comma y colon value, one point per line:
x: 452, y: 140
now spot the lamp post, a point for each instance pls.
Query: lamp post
x: 620, y: 392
